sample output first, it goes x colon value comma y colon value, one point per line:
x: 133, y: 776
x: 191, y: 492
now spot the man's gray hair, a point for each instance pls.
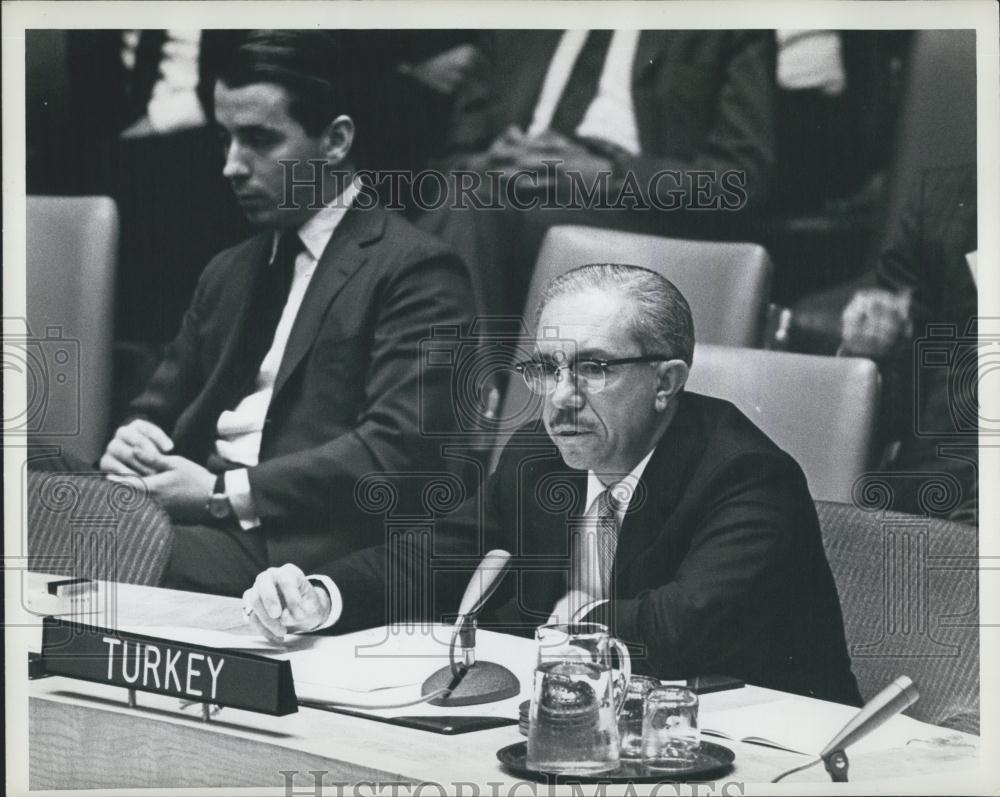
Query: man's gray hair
x: 658, y: 314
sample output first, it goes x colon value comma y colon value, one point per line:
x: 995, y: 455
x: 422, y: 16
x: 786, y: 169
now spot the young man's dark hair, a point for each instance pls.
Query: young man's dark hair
x: 312, y: 66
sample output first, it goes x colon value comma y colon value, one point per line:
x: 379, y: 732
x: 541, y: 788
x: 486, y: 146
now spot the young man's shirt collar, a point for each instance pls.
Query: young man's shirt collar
x: 316, y: 233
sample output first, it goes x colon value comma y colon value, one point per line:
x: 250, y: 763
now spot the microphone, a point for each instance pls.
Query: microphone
x: 472, y: 682
x: 896, y: 697
x: 484, y: 583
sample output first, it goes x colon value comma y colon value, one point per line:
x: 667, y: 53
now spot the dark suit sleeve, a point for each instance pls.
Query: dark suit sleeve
x: 317, y: 484
x: 742, y: 555
x: 901, y: 266
x: 741, y: 134
x: 419, y: 574
x: 410, y: 579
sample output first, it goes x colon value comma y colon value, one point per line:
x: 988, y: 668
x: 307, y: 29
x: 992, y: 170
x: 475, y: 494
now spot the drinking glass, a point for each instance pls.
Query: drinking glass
x: 670, y: 737
x: 630, y: 718
x: 573, y: 720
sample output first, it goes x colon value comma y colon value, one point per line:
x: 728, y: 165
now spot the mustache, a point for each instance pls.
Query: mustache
x: 568, y: 420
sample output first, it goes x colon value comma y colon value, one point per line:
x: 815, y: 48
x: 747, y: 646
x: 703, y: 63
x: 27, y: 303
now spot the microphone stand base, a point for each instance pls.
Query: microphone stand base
x: 483, y: 682
x: 836, y: 764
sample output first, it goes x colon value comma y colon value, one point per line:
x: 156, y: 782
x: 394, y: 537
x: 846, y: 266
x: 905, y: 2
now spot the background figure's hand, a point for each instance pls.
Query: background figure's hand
x: 505, y: 149
x: 500, y: 155
x: 444, y: 71
x: 130, y: 440
x: 569, y: 154
x: 875, y: 321
x: 282, y: 600
x: 180, y: 486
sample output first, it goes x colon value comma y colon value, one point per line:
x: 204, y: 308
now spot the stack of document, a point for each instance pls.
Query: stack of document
x: 804, y: 725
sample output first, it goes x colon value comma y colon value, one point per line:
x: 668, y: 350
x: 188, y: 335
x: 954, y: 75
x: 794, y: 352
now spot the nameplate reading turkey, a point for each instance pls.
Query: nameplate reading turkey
x: 149, y: 664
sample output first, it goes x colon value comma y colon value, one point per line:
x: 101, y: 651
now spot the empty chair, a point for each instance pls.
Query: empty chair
x: 821, y: 410
x: 909, y: 592
x: 726, y: 284
x: 72, y: 247
x: 82, y: 525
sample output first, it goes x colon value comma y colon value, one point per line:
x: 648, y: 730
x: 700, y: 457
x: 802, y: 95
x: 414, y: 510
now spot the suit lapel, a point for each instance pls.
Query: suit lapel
x: 195, y: 429
x: 529, y: 77
x: 558, y: 501
x: 344, y: 255
x: 239, y: 292
x: 661, y: 487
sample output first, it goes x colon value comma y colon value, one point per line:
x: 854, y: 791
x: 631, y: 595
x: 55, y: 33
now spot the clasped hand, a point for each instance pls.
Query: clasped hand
x: 875, y: 322
x: 516, y: 152
x: 282, y: 600
x: 140, y: 449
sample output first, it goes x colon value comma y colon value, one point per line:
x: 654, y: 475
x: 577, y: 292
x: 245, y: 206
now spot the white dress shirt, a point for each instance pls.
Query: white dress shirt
x: 240, y: 429
x: 336, y: 600
x: 585, y: 563
x: 611, y: 114
x: 810, y: 59
x: 174, y: 104
x: 972, y: 258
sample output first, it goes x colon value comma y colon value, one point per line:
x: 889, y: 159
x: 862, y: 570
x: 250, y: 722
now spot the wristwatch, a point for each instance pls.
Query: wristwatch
x: 218, y: 505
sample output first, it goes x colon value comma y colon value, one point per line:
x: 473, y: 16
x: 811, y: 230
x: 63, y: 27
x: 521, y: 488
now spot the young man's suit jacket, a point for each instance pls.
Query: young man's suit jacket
x: 720, y: 568
x: 349, y: 392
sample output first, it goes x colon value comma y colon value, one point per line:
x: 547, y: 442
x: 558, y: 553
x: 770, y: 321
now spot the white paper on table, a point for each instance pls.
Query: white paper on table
x: 381, y: 666
x: 217, y: 639
x: 805, y: 725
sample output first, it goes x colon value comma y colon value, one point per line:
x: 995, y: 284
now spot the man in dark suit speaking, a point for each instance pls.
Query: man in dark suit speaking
x: 295, y: 370
x: 664, y: 514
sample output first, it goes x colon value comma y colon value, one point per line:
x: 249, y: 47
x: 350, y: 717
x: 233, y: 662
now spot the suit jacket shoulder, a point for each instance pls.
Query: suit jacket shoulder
x: 402, y: 243
x: 728, y: 431
x: 397, y: 242
x: 229, y: 262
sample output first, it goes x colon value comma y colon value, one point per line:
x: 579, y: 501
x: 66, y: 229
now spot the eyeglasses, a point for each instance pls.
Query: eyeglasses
x: 542, y: 376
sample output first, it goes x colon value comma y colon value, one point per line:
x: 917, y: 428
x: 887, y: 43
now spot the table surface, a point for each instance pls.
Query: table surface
x: 83, y: 735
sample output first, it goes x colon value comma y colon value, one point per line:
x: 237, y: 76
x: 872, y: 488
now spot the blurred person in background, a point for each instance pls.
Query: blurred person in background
x: 648, y: 110
x: 927, y: 295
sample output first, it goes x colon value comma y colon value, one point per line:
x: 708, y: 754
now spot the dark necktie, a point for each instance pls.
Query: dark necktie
x: 581, y: 87
x: 607, y: 537
x: 270, y: 294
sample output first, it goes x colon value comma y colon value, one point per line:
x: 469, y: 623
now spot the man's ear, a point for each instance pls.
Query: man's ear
x: 670, y: 378
x: 338, y: 138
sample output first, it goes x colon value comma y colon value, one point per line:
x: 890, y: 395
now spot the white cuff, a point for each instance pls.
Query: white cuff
x: 336, y: 601
x: 238, y: 493
x: 177, y: 110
